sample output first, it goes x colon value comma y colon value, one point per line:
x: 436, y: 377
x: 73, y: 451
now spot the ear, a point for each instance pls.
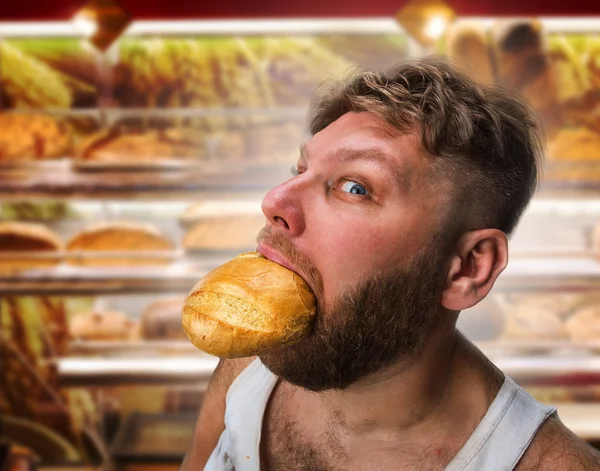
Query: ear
x: 479, y: 259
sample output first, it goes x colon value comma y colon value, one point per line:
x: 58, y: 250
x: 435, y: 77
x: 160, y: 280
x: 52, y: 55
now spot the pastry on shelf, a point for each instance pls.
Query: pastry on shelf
x: 295, y: 66
x: 27, y: 239
x: 579, y: 143
x: 161, y: 320
x: 102, y: 326
x: 178, y: 72
x: 534, y: 321
x: 468, y: 46
x: 235, y: 232
x: 559, y: 304
x: 199, y: 211
x: 40, y: 210
x: 523, y: 61
x: 29, y: 82
x: 120, y: 237
x: 584, y: 324
x: 575, y: 77
x: 27, y: 137
x: 117, y: 146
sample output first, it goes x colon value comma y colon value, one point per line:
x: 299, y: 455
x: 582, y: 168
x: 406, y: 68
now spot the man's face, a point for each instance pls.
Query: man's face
x: 358, y: 224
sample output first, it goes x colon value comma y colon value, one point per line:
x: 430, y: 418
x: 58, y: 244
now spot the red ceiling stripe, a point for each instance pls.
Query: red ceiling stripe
x: 32, y: 10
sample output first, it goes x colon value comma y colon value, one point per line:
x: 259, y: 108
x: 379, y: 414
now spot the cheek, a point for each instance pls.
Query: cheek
x: 348, y: 253
x: 350, y: 249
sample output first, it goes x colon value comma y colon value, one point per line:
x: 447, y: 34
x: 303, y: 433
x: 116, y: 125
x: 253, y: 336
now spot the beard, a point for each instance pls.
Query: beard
x: 382, y: 320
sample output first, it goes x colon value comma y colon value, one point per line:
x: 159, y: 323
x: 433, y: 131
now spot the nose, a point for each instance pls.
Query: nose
x: 282, y: 206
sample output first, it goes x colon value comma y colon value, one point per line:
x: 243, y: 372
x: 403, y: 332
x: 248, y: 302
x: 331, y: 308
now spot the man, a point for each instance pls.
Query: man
x: 397, y: 217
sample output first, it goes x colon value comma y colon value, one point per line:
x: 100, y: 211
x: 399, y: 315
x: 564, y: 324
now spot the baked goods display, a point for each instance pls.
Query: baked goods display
x: 235, y: 232
x: 243, y: 142
x: 124, y: 238
x: 29, y: 83
x: 21, y: 241
x: 40, y: 210
x: 548, y: 317
x: 241, y: 88
x: 102, y: 326
x: 49, y: 73
x: 523, y: 62
x: 534, y: 324
x: 575, y: 144
x: 467, y: 46
x: 33, y: 137
x: 161, y: 319
x: 115, y: 146
x: 371, y: 52
x: 248, y: 305
x: 557, y: 73
x: 584, y: 324
x: 51, y: 419
x: 223, y: 72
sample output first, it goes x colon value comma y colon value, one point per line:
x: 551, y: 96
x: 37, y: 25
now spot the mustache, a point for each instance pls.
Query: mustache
x: 287, y: 249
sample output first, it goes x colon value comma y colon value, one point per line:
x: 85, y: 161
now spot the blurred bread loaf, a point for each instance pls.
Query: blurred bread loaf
x: 161, y: 319
x: 468, y: 46
x: 522, y: 60
x: 120, y: 237
x: 33, y: 137
x: 235, y: 232
x: 535, y: 320
x: 584, y: 324
x: 575, y: 144
x: 132, y: 146
x: 27, y: 239
x: 102, y: 325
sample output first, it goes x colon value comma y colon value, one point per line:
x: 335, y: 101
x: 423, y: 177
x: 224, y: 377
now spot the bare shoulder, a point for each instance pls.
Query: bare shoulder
x: 556, y: 448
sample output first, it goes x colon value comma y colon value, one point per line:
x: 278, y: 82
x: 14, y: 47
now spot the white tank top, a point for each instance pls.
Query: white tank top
x: 497, y: 443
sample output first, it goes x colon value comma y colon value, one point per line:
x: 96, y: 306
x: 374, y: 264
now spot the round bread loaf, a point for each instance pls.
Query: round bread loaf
x: 161, y: 319
x: 21, y: 241
x: 584, y: 325
x: 469, y: 47
x: 246, y: 306
x: 118, y: 239
x: 104, y: 325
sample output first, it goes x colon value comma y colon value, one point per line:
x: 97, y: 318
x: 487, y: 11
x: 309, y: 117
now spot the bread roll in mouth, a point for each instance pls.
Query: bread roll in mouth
x: 246, y: 306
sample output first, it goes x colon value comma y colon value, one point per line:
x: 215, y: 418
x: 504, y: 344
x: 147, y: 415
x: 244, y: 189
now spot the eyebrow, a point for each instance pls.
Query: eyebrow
x: 370, y: 154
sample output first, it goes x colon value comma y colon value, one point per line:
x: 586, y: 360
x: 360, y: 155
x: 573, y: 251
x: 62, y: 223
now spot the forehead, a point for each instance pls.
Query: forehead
x: 428, y: 191
x: 365, y: 131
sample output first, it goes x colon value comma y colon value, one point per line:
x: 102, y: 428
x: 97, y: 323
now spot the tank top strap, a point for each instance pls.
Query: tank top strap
x: 246, y: 400
x: 505, y: 432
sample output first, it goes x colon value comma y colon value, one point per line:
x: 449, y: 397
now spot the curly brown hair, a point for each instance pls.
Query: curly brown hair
x: 485, y: 140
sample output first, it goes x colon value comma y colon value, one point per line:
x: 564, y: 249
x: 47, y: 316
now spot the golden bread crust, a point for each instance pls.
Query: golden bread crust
x: 27, y: 238
x: 248, y: 305
x: 119, y: 237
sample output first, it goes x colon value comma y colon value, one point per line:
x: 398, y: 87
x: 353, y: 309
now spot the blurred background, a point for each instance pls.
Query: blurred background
x: 136, y: 143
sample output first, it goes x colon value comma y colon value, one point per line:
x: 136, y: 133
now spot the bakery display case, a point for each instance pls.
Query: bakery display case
x: 127, y: 175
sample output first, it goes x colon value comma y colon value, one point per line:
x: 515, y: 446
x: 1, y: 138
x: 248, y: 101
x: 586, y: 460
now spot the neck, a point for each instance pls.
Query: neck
x: 403, y: 398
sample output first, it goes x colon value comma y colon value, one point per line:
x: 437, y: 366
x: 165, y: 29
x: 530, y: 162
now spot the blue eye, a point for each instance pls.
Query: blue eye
x: 354, y: 188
